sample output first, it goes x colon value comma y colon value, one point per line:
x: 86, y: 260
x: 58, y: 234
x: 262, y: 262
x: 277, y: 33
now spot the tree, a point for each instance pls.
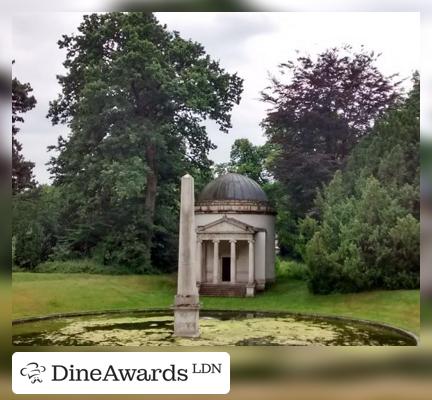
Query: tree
x: 35, y: 225
x: 368, y: 235
x: 135, y: 97
x: 254, y: 162
x: 320, y: 112
x: 22, y: 169
x: 251, y: 160
x: 247, y: 159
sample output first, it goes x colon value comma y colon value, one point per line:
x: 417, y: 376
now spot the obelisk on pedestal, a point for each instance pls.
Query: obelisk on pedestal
x: 186, y: 302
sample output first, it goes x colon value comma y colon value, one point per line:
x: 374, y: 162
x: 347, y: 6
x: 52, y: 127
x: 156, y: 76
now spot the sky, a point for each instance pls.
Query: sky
x: 250, y: 44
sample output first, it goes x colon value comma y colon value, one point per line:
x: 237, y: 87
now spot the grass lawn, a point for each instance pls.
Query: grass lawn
x: 46, y: 293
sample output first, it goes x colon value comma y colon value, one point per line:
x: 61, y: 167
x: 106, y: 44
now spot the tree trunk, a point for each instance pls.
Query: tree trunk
x: 151, y: 190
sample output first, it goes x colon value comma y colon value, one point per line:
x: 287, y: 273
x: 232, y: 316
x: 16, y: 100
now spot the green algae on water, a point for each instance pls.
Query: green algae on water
x: 216, y: 328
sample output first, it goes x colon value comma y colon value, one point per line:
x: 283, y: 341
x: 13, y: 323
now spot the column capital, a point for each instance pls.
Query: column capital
x: 215, y: 240
x: 251, y: 241
x: 233, y: 241
x: 199, y: 241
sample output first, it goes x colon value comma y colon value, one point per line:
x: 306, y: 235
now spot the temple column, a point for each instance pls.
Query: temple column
x: 215, y: 261
x: 250, y: 288
x: 199, y: 262
x: 233, y: 261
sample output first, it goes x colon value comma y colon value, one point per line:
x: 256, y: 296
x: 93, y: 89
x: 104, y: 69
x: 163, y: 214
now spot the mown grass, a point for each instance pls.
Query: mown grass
x: 42, y: 293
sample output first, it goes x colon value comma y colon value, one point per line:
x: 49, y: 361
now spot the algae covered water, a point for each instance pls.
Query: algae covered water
x: 232, y: 328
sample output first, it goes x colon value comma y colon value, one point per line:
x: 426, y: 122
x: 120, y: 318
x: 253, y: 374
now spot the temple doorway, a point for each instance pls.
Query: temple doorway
x: 226, y: 269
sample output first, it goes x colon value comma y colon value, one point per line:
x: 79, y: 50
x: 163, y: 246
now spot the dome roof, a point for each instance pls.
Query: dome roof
x: 232, y: 187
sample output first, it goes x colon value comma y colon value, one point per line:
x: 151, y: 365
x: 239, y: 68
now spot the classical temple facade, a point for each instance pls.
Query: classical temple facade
x: 235, y: 229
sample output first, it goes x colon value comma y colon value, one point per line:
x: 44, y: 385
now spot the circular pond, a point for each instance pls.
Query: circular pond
x: 232, y: 328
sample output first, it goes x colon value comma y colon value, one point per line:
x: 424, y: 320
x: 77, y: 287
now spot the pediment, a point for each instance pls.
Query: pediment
x: 226, y: 225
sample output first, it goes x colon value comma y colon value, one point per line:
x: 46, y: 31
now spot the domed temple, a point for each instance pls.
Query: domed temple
x: 235, y: 237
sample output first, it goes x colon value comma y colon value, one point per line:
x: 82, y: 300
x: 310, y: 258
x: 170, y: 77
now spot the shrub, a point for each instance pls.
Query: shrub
x: 307, y: 228
x: 34, y: 226
x: 80, y: 266
x: 291, y: 269
x: 364, y: 242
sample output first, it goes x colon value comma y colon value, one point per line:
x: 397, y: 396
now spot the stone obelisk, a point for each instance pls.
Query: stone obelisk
x: 186, y: 302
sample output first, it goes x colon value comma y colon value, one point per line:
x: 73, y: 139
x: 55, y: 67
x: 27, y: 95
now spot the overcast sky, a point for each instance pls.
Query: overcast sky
x: 251, y: 44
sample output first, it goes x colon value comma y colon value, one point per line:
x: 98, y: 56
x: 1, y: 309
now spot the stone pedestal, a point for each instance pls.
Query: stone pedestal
x: 250, y: 290
x: 186, y: 311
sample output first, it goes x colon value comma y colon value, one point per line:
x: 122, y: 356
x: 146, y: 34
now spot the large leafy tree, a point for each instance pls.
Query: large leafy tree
x: 248, y: 159
x: 319, y: 109
x: 22, y: 169
x: 255, y: 161
x: 135, y: 97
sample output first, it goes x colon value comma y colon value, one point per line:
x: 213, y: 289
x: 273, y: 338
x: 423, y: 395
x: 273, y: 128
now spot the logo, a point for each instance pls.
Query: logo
x: 32, y: 371
x: 120, y: 373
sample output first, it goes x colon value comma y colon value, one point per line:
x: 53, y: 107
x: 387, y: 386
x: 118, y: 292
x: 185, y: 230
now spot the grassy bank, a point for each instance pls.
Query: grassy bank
x: 41, y: 294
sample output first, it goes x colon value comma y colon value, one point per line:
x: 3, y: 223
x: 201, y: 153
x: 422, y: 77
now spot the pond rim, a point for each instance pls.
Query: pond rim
x: 72, y: 314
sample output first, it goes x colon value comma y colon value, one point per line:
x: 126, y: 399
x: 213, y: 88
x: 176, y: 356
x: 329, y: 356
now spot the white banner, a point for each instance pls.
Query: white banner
x: 121, y: 373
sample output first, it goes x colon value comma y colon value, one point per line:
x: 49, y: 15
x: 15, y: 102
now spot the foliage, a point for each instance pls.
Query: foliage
x: 306, y: 230
x: 87, y: 266
x: 247, y: 159
x: 285, y: 225
x: 254, y: 161
x: 35, y: 225
x: 135, y: 97
x: 291, y: 269
x: 368, y: 233
x: 319, y: 114
x: 22, y: 169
